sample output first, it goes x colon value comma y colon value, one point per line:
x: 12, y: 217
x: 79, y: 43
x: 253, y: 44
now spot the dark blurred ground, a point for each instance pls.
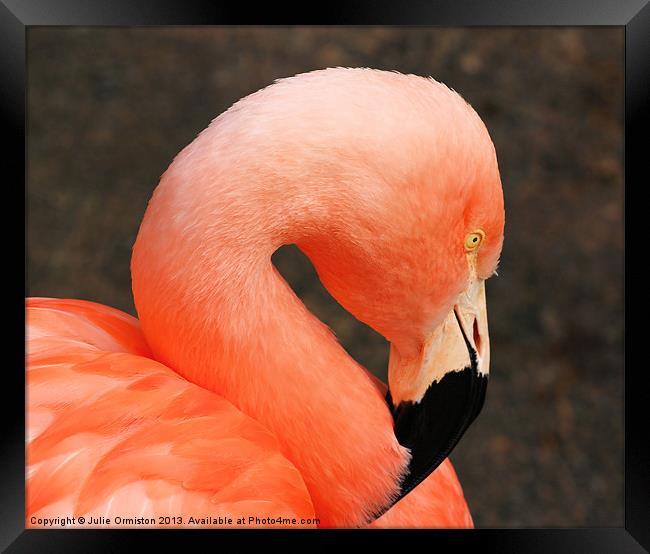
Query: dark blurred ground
x: 109, y: 108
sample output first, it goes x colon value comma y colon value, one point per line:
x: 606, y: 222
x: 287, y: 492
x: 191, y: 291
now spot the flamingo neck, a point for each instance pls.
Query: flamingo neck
x: 214, y: 308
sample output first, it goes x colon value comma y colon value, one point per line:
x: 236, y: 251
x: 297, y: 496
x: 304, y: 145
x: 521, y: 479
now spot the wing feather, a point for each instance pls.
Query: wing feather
x: 113, y: 433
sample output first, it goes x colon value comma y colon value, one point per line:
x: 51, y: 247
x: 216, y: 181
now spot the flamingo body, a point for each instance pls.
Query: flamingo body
x: 113, y: 433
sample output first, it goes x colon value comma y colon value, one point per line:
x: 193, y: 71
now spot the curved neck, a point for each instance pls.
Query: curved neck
x: 214, y: 308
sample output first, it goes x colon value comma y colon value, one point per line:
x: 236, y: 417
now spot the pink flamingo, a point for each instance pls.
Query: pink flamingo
x: 227, y: 399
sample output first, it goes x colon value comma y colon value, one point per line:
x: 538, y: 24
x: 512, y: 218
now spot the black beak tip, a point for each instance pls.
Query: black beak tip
x: 432, y: 427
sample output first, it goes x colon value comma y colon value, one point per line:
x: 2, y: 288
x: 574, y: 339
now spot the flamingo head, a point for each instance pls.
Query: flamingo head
x: 409, y: 243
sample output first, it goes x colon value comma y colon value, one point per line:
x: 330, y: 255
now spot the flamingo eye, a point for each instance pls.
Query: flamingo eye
x: 473, y: 240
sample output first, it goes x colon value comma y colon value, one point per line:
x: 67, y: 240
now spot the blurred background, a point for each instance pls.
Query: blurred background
x: 108, y: 108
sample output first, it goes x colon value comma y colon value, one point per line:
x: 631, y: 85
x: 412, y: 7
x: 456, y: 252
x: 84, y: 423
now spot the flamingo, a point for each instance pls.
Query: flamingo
x: 227, y: 403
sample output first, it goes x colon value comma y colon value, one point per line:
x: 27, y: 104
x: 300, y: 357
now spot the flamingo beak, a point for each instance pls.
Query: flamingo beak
x: 437, y: 394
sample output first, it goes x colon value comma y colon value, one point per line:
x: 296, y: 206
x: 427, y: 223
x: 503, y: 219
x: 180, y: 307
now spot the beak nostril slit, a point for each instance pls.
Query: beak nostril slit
x: 477, y: 337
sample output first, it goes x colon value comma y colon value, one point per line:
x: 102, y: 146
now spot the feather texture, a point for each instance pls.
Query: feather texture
x: 113, y: 433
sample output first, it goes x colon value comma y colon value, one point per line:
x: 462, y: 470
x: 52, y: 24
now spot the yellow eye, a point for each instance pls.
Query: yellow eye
x: 473, y: 240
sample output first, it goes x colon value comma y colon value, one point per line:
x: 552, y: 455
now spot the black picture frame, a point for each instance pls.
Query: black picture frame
x: 16, y: 16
